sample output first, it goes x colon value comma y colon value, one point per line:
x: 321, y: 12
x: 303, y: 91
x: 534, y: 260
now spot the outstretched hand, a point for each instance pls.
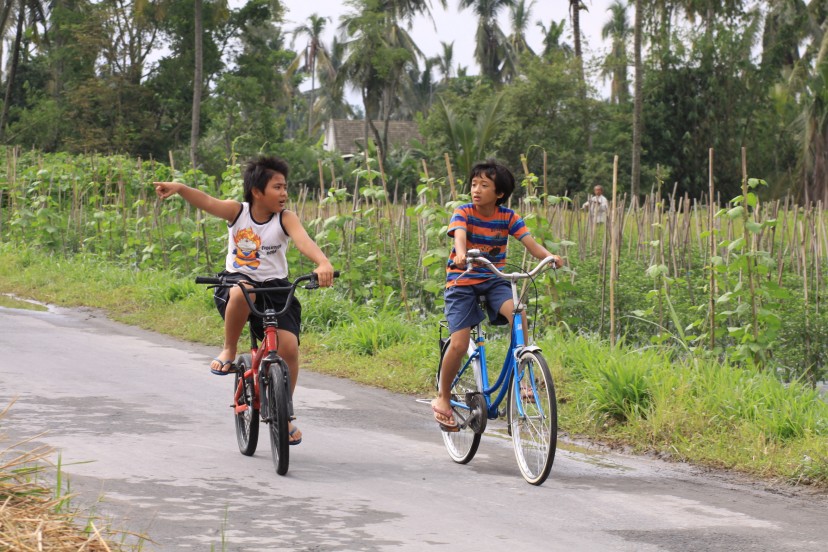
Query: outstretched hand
x: 166, y: 189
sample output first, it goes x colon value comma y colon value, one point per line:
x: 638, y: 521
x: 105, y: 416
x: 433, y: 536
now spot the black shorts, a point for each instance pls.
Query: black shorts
x: 290, y: 320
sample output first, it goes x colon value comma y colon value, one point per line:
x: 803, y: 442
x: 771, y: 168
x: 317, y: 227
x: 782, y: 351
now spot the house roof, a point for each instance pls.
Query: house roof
x: 347, y: 136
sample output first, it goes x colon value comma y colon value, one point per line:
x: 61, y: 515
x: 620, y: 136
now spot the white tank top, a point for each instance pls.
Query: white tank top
x: 257, y: 249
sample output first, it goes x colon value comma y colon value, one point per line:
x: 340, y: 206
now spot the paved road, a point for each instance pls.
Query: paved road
x: 141, y: 424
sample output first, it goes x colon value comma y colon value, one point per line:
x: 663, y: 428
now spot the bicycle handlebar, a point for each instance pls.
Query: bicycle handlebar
x: 221, y: 281
x: 476, y: 256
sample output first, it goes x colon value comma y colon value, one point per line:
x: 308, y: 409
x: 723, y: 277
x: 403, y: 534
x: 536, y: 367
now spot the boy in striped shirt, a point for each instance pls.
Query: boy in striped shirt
x: 483, y: 224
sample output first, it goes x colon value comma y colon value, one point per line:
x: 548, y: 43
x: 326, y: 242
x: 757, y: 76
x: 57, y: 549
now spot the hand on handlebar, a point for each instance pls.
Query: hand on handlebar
x: 460, y: 260
x: 324, y: 274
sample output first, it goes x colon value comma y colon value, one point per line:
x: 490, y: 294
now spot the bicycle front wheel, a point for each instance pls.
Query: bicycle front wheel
x: 462, y: 445
x: 247, y: 417
x: 533, y: 417
x: 276, y: 392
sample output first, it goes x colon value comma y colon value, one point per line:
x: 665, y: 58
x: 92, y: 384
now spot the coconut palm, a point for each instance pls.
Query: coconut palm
x: 491, y: 43
x: 330, y: 102
x: 519, y: 15
x: 618, y: 30
x: 15, y: 10
x: 552, y: 38
x: 379, y: 51
x: 445, y: 60
x: 312, y: 56
x: 638, y: 104
x: 809, y: 81
x: 469, y: 140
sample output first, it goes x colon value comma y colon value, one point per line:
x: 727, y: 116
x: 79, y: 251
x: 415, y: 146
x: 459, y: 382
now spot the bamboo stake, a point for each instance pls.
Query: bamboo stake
x: 613, y: 252
x: 395, y: 251
x: 545, y: 189
x: 450, y: 177
x: 712, y: 254
x: 749, y: 242
x: 808, y: 368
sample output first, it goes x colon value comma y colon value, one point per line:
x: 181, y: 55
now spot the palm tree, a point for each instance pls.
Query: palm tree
x: 809, y: 81
x: 575, y: 7
x: 18, y: 36
x: 379, y: 51
x: 198, y: 79
x: 314, y: 53
x: 519, y: 15
x: 552, y: 38
x: 615, y: 65
x: 330, y: 103
x: 491, y: 43
x: 469, y: 139
x: 635, y: 177
x: 445, y: 60
x: 37, y: 13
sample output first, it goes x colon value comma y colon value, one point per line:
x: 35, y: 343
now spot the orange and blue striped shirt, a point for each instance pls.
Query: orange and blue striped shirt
x: 488, y: 234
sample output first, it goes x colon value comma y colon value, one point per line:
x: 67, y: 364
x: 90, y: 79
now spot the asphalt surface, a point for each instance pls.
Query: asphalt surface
x: 147, y: 441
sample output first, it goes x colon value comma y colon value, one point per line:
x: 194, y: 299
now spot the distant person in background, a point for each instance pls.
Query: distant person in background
x: 598, y: 205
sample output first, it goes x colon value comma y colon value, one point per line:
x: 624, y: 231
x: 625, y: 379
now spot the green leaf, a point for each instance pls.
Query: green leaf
x: 736, y: 212
x: 753, y: 227
x: 736, y: 244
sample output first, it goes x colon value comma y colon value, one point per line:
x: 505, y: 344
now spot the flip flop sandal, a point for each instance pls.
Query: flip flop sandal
x: 297, y: 441
x: 449, y: 428
x: 231, y: 370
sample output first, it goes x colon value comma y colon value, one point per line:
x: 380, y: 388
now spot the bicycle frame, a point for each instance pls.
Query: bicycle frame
x: 477, y: 354
x: 477, y: 361
x: 258, y: 353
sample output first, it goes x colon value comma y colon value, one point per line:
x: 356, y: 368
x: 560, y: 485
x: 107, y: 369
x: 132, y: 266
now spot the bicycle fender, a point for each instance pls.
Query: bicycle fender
x: 528, y: 348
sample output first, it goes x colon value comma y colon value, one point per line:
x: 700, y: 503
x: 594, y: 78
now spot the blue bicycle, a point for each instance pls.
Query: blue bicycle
x: 524, y: 381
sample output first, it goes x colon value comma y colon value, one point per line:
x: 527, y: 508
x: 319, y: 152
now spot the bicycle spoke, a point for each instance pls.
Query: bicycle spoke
x: 533, y: 416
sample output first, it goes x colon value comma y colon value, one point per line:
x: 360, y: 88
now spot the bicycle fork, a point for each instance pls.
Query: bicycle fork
x: 268, y: 364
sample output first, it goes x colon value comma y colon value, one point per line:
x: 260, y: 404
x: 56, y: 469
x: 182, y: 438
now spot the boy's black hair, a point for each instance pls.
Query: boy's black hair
x: 502, y: 177
x: 259, y: 171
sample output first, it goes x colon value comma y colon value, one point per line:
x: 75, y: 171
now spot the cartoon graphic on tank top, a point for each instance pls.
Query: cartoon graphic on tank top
x: 247, y: 248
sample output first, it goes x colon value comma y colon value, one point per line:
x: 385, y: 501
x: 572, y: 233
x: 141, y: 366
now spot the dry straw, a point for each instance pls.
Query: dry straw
x: 31, y: 516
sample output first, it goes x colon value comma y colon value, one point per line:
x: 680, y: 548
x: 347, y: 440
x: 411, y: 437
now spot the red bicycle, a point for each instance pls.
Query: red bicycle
x: 262, y: 382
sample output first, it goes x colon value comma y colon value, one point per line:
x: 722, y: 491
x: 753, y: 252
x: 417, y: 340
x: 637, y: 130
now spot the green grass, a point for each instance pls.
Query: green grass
x: 692, y: 409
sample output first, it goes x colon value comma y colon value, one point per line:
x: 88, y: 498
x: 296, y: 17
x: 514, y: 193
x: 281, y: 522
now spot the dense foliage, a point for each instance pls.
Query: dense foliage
x: 117, y: 77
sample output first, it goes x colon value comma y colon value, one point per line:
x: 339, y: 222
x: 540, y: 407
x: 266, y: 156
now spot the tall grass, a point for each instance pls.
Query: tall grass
x: 692, y: 409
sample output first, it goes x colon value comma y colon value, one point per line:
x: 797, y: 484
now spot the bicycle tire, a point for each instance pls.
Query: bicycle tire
x: 247, y: 422
x: 274, y: 378
x: 533, y: 417
x: 462, y: 445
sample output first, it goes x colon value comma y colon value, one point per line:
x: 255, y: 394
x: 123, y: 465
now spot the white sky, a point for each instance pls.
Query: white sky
x: 460, y: 26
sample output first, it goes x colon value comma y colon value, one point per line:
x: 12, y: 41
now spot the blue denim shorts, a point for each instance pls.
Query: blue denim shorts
x: 463, y: 309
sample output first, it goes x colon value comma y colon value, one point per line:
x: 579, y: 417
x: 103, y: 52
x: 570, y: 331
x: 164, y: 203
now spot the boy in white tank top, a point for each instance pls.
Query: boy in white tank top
x: 257, y: 237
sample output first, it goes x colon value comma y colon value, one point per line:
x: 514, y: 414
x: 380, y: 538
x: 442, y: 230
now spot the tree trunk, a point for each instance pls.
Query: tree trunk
x: 198, y: 77
x: 637, y: 104
x: 575, y: 9
x: 18, y: 37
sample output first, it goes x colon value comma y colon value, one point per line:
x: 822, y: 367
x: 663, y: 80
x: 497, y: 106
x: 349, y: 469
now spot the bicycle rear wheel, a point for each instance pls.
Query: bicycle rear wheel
x: 275, y: 387
x: 470, y: 415
x: 247, y: 420
x: 533, y: 417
